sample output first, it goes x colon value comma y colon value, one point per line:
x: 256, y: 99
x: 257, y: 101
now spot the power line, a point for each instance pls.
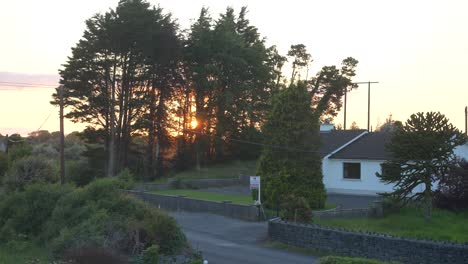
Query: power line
x: 28, y: 84
x: 47, y: 118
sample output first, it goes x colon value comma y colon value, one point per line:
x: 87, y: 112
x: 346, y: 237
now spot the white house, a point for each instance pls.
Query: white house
x: 351, y: 158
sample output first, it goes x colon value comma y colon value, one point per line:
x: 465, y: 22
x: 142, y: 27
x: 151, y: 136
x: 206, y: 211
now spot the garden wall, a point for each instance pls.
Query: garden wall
x: 195, y: 183
x: 383, y: 247
x: 182, y: 203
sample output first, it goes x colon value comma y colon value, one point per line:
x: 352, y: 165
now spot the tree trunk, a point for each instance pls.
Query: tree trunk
x: 151, y: 133
x: 428, y: 200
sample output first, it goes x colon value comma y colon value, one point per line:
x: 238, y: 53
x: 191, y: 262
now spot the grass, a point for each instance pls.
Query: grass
x: 410, y: 222
x: 348, y: 260
x: 22, y: 252
x: 223, y: 170
x: 217, y: 197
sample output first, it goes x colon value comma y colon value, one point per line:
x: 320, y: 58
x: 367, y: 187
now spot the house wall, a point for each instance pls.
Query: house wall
x: 462, y: 151
x: 369, y: 184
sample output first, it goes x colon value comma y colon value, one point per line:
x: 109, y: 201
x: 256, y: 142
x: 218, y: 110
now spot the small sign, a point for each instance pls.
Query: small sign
x: 254, y: 182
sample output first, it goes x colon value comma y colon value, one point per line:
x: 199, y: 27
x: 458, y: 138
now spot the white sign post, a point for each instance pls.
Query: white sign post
x: 255, y: 184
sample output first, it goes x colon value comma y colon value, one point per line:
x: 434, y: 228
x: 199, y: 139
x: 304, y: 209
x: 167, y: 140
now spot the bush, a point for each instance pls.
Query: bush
x: 347, y: 260
x: 29, y: 170
x: 25, y: 213
x: 3, y: 165
x: 77, y: 171
x: 296, y: 208
x: 151, y: 255
x: 92, y: 255
x: 100, y: 215
x: 18, y: 151
x: 126, y: 179
x: 391, y: 205
x: 452, y: 192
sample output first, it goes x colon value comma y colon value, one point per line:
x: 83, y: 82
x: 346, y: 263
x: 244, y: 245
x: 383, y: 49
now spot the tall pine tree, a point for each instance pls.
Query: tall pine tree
x: 290, y: 163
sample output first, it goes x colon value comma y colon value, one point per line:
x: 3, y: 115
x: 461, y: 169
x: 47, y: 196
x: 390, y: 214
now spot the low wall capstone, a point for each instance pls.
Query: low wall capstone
x: 194, y: 183
x: 377, y: 246
x: 182, y: 203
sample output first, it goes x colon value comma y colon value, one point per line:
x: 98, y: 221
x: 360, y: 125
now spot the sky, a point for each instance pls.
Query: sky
x: 416, y: 50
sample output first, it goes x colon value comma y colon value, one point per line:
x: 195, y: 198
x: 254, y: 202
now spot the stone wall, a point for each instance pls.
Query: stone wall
x: 194, y: 183
x: 176, y: 203
x: 382, y: 247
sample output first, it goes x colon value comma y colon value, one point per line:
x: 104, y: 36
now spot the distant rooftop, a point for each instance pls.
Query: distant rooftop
x: 370, y: 147
x: 334, y: 139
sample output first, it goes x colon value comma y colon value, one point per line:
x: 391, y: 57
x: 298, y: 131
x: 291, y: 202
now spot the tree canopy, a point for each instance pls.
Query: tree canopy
x: 290, y: 163
x: 422, y: 152
x: 189, y: 97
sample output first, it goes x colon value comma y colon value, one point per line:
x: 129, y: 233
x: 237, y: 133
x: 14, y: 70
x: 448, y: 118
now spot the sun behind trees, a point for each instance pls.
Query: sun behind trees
x: 159, y: 99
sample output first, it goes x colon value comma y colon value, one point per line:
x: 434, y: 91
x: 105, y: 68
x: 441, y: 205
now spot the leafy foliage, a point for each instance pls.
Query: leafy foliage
x: 26, y: 212
x: 296, y: 209
x: 100, y: 215
x: 422, y: 153
x: 295, y: 166
x: 452, y: 190
x: 3, y: 165
x: 29, y: 170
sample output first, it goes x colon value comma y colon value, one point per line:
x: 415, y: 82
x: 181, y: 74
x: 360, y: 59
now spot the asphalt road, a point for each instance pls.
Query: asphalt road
x: 229, y: 241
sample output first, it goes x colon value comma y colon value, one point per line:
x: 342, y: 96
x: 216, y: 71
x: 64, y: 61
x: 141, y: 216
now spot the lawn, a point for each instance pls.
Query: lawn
x: 219, y: 197
x: 224, y: 170
x: 209, y: 196
x: 22, y: 252
x: 410, y: 222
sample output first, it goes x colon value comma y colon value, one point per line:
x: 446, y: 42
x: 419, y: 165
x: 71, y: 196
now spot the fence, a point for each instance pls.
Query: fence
x: 182, y: 203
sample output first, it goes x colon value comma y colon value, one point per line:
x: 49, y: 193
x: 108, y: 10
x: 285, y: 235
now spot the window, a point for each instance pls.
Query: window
x: 352, y: 171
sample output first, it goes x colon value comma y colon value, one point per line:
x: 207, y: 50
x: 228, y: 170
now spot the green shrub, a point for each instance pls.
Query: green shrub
x: 100, y: 215
x: 126, y: 179
x: 151, y: 255
x: 77, y: 171
x: 19, y: 151
x: 391, y: 205
x: 3, y: 165
x: 348, y: 260
x: 296, y: 208
x: 93, y: 255
x: 25, y: 213
x: 29, y: 170
x: 176, y: 184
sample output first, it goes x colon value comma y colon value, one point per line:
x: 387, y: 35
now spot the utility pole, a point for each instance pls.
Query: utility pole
x: 368, y: 102
x: 62, y: 139
x: 466, y: 120
x: 345, y: 96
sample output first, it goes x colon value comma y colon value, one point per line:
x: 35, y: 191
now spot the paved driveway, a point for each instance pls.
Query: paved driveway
x: 230, y: 241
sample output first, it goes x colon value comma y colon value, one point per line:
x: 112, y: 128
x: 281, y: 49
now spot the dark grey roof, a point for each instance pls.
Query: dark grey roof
x: 334, y: 139
x: 371, y: 146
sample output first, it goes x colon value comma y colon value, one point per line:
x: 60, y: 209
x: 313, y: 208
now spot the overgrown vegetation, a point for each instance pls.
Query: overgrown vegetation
x: 98, y: 216
x: 452, y: 190
x: 297, y: 167
x: 23, y: 252
x: 408, y: 222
